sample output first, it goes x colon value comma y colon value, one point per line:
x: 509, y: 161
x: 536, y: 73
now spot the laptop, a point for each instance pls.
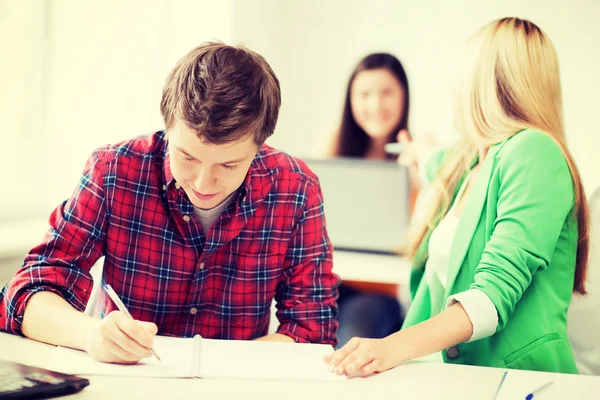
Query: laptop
x: 18, y: 381
x: 366, y: 203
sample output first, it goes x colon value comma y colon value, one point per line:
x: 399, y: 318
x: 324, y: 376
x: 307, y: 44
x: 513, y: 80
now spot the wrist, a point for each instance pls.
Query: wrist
x: 398, y: 347
x: 85, y: 334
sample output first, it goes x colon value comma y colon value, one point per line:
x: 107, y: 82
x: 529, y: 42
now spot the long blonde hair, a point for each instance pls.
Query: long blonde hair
x: 510, y: 82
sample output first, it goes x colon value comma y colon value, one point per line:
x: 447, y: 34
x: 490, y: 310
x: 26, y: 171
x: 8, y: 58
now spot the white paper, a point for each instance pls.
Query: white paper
x: 239, y: 359
x: 175, y: 353
x: 232, y: 359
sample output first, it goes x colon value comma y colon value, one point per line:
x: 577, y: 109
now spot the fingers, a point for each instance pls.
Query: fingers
x: 338, y: 356
x: 361, y: 356
x: 126, y: 339
x: 142, y: 333
x: 119, y: 333
x: 403, y: 137
x: 372, y: 367
x: 116, y: 354
x: 149, y: 326
x: 120, y: 339
x: 348, y: 360
x: 356, y: 361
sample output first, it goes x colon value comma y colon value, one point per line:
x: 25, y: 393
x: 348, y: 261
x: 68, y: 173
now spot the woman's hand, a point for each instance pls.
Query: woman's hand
x: 368, y: 356
x: 415, y: 149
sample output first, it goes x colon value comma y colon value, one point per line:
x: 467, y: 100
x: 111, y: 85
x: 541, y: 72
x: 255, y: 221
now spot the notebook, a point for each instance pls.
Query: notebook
x: 367, y: 203
x: 210, y: 358
x: 18, y: 381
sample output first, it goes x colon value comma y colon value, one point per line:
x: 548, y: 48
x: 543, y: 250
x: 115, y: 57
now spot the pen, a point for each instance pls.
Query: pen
x: 500, y: 384
x: 113, y: 295
x: 538, y: 390
x: 394, y: 148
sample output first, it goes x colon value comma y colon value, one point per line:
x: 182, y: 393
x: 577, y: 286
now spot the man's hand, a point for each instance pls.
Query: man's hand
x: 120, y: 339
x: 364, y: 355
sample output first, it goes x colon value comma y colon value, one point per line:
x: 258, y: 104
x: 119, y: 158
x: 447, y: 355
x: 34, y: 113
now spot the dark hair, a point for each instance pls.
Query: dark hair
x: 352, y: 140
x: 223, y: 93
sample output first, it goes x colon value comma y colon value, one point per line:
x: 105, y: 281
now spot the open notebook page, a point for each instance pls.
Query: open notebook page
x: 238, y: 359
x: 176, y: 355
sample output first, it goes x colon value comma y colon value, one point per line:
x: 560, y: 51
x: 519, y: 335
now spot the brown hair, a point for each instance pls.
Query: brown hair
x: 223, y: 93
x: 351, y: 140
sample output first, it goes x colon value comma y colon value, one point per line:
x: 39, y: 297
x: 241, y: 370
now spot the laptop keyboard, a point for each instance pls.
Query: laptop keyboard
x: 11, y: 380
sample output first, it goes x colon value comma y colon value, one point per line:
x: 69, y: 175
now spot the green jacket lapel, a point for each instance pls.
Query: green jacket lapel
x: 469, y: 219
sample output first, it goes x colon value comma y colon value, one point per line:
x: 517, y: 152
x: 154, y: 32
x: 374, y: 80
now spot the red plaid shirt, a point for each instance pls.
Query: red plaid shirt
x: 269, y: 243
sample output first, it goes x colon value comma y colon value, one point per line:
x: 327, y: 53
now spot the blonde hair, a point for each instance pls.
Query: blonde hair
x: 510, y: 82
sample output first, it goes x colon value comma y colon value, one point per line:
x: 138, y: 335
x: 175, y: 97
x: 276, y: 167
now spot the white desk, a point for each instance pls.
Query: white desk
x: 415, y: 380
x: 367, y: 267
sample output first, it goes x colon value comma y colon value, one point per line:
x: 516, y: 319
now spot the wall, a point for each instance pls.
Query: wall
x: 313, y: 46
x: 76, y: 75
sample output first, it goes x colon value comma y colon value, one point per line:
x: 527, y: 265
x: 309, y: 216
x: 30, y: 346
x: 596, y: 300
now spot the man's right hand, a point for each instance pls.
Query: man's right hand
x: 119, y: 339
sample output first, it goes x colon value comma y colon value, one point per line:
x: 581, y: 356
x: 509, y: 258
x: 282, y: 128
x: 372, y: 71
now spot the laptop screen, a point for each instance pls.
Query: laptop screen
x: 366, y: 203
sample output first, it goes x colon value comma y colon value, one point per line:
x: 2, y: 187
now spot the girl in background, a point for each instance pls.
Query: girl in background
x: 375, y: 111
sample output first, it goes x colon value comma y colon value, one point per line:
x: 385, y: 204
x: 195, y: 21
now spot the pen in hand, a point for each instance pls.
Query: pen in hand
x: 394, y: 148
x: 113, y: 295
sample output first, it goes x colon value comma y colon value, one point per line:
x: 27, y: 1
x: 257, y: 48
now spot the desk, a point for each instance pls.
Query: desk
x: 414, y: 380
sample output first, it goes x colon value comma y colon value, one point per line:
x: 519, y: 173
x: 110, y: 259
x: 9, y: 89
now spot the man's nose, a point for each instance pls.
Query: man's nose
x: 204, y: 181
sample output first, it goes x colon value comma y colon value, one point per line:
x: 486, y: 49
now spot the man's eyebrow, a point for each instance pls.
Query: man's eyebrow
x: 237, y: 160
x: 234, y: 161
x: 185, y: 152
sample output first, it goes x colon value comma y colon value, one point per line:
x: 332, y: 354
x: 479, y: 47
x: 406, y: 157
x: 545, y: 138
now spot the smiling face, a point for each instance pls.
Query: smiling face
x: 208, y: 173
x: 377, y: 102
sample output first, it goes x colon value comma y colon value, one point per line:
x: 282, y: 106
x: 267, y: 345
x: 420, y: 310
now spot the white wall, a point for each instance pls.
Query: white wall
x: 75, y: 75
x: 313, y: 45
x: 81, y: 74
x: 106, y: 68
x: 20, y: 80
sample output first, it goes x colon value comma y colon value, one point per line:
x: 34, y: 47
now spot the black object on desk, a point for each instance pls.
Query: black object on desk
x: 18, y: 381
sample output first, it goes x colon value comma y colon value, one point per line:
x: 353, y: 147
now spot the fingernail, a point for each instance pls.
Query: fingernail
x: 330, y: 367
x: 367, y: 370
x: 338, y: 371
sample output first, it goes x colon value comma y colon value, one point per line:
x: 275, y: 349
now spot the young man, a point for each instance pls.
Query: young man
x: 201, y: 227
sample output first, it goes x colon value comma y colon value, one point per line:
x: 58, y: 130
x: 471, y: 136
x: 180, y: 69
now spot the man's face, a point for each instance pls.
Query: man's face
x: 207, y: 172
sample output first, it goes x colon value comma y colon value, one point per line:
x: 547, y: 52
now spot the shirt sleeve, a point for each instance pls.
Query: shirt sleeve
x: 480, y: 310
x: 535, y: 198
x: 71, y: 246
x: 429, y: 165
x: 424, y: 160
x: 306, y: 301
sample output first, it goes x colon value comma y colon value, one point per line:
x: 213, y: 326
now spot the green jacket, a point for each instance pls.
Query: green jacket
x: 517, y: 242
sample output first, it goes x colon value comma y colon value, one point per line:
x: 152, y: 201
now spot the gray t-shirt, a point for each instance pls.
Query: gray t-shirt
x: 208, y: 217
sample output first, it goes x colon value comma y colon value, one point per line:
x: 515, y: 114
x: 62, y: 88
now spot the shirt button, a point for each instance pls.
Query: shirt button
x: 164, y: 187
x: 186, y: 218
x: 193, y: 310
x: 201, y: 265
x: 452, y: 352
x: 177, y: 185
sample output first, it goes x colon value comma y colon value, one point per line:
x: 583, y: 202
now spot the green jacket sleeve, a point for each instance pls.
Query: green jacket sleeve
x: 433, y: 164
x: 535, y: 196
